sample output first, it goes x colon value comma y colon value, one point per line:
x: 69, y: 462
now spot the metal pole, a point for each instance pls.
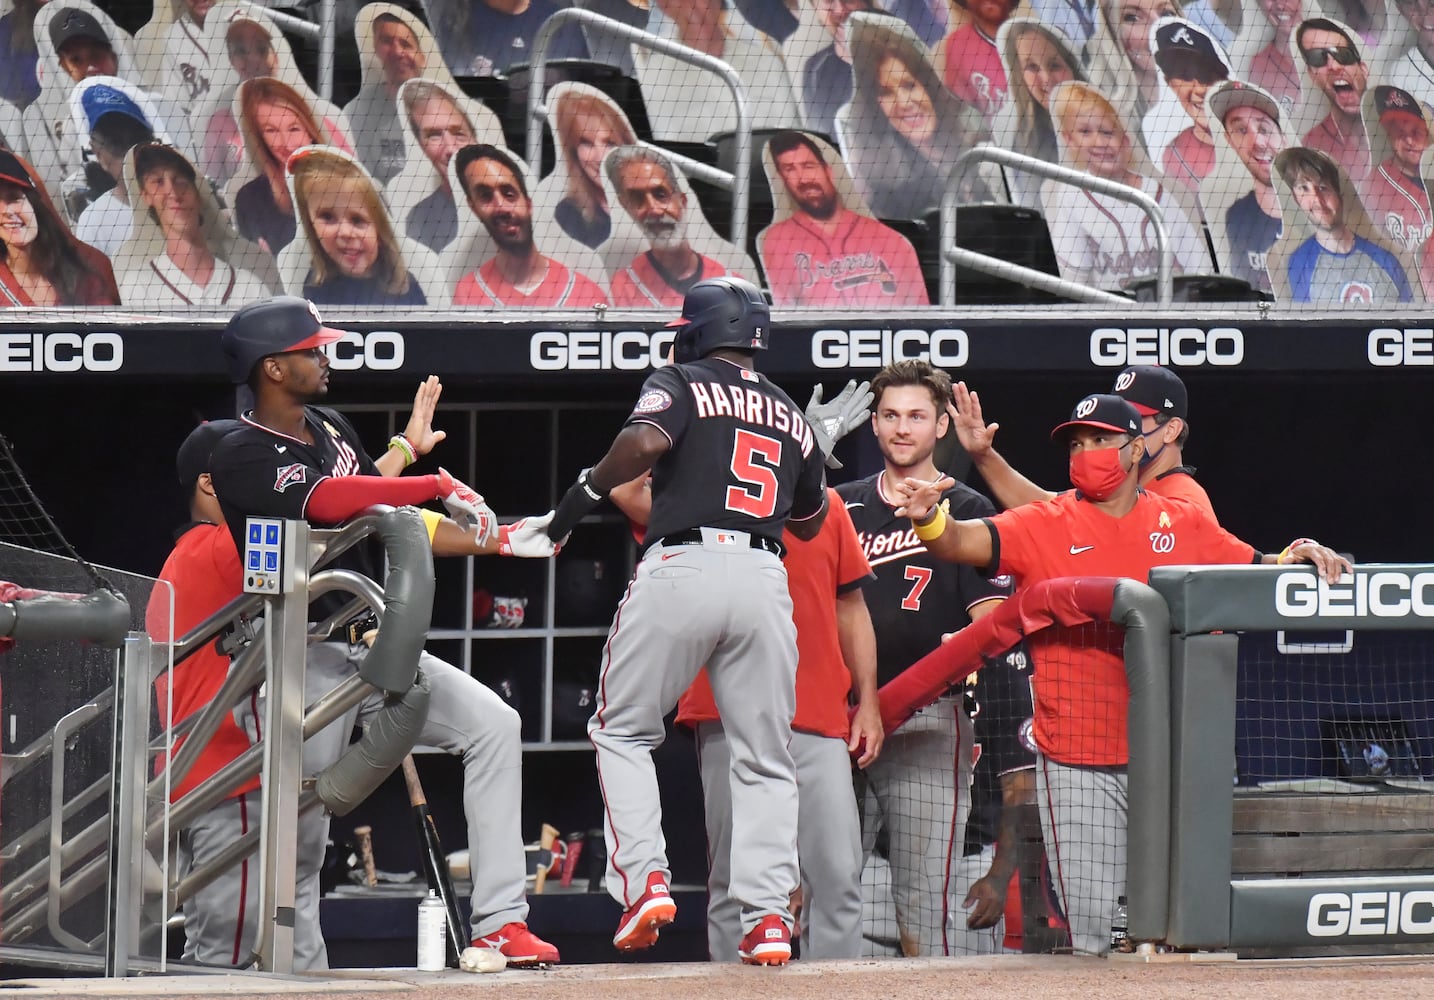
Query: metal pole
x: 126, y: 860
x: 326, y: 49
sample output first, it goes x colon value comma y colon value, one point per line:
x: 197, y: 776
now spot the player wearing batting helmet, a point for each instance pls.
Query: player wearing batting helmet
x: 1106, y: 526
x: 733, y: 462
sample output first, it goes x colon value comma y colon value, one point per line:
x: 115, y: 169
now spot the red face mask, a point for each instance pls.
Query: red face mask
x: 1098, y: 473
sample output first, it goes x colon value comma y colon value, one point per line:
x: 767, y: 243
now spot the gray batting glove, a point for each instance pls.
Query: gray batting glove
x: 835, y: 420
x: 466, y: 506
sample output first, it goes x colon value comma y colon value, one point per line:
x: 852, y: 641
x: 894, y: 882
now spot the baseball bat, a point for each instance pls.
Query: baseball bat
x: 435, y: 863
x: 365, y: 846
x: 545, y: 857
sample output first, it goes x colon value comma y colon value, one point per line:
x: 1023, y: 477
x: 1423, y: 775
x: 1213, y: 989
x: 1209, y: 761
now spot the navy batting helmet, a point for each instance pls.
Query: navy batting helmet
x: 721, y: 312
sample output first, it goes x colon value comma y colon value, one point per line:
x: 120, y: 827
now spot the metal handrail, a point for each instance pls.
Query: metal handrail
x: 951, y: 254
x: 737, y: 182
x: 323, y: 32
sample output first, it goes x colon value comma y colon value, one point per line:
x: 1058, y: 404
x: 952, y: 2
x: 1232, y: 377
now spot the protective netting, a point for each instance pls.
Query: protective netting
x: 25, y: 524
x: 1284, y: 146
x: 1333, y: 743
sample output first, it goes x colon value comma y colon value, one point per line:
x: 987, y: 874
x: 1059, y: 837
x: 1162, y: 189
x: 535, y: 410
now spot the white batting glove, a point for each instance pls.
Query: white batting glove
x: 466, y: 507
x: 528, y: 538
x: 835, y: 420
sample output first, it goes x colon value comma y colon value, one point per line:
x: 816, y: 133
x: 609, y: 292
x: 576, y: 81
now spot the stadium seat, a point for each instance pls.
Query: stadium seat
x: 1009, y: 232
x: 608, y: 79
x: 1200, y: 288
x: 760, y: 206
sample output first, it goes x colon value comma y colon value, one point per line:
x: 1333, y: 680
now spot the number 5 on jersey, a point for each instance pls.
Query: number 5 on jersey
x: 755, y: 461
x: 919, y: 576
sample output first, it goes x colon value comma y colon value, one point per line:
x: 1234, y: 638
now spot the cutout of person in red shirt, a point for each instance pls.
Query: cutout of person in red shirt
x: 519, y: 277
x: 1106, y: 526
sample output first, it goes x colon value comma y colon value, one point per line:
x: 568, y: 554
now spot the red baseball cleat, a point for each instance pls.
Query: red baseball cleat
x: 520, y: 946
x: 769, y: 943
x: 653, y: 911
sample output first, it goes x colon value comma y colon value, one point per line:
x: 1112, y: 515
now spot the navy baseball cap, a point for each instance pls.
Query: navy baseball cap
x: 101, y: 99
x: 71, y: 22
x: 273, y: 326
x: 1184, y: 51
x: 13, y: 170
x: 1395, y: 101
x: 194, y: 454
x: 1152, y: 390
x: 1102, y: 410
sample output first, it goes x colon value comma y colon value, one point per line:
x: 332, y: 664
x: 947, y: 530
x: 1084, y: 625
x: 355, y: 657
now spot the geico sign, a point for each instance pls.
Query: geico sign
x: 1187, y: 346
x: 1390, y: 348
x: 61, y: 352
x: 598, y: 350
x: 379, y: 351
x: 1376, y: 594
x: 879, y: 348
x: 1341, y: 914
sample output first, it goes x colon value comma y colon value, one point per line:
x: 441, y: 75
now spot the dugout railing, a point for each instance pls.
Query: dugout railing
x: 90, y: 881
x: 1302, y: 714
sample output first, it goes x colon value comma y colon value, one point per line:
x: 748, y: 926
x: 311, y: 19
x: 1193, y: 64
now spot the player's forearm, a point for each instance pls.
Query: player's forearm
x: 391, y: 463
x: 634, y: 499
x: 339, y: 498
x: 1009, y: 487
x: 1018, y: 790
x: 452, y: 539
x: 635, y: 450
x: 857, y: 641
x: 966, y: 542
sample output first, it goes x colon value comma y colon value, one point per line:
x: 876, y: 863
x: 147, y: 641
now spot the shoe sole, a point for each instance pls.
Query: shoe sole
x: 768, y: 955
x: 531, y: 962
x: 642, y: 929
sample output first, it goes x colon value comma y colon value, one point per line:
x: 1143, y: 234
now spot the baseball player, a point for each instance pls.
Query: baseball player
x: 733, y: 460
x: 824, y: 254
x: 1157, y: 394
x: 292, y: 459
x: 836, y: 655
x: 1107, y: 526
x: 922, y: 781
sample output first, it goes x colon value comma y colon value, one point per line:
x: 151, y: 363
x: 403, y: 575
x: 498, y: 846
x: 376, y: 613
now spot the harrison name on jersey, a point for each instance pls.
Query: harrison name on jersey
x: 713, y: 399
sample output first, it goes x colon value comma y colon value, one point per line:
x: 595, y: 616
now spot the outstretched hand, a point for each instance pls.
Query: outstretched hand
x: 420, y: 432
x: 975, y: 435
x: 528, y: 538
x: 835, y: 420
x: 917, y: 498
x: 466, y: 506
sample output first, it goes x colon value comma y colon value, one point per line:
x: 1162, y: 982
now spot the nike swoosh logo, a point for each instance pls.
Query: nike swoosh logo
x: 671, y: 555
x: 854, y: 504
x: 281, y: 448
x: 1077, y: 550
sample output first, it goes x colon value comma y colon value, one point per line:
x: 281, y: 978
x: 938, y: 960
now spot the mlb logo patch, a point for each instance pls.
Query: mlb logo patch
x: 288, y: 475
x: 749, y: 376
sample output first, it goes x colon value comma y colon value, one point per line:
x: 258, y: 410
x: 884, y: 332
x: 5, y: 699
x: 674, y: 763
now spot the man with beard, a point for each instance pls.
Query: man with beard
x: 378, y: 132
x: 825, y: 254
x: 646, y: 183
x: 1252, y: 222
x: 921, y: 782
x: 1339, y: 72
x: 1336, y: 264
x: 519, y: 276
x: 1394, y: 193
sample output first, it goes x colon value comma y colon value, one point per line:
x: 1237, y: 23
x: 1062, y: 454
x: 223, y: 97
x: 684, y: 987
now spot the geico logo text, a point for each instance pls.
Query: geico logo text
x: 598, y: 350
x: 1389, y: 348
x: 1365, y: 594
x: 1188, y: 346
x: 1340, y: 914
x: 61, y: 352
x: 879, y: 348
x: 379, y: 351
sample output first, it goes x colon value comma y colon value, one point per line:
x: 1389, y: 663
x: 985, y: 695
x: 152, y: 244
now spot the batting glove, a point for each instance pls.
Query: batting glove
x: 528, y: 538
x: 467, y: 508
x: 835, y: 420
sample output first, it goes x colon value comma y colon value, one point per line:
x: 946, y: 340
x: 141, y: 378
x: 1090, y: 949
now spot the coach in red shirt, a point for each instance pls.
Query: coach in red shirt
x: 1107, y: 526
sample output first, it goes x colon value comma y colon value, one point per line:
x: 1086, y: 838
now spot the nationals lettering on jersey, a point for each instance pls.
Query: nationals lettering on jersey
x: 747, y: 459
x: 915, y: 597
x: 259, y: 472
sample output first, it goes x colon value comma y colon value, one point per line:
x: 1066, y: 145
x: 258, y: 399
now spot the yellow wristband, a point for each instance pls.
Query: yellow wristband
x: 933, y: 528
x: 431, y: 520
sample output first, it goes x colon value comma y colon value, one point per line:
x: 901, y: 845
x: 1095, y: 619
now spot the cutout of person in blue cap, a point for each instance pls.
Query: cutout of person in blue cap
x: 117, y: 124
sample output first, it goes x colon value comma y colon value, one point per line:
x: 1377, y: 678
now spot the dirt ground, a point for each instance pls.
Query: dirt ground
x: 1000, y: 978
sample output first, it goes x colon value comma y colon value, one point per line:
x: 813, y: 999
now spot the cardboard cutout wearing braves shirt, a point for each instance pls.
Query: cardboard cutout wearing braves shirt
x: 842, y: 257
x: 1177, y: 132
x: 1318, y: 120
x: 1398, y: 125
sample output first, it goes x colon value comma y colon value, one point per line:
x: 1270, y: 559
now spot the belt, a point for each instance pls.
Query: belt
x: 720, y: 537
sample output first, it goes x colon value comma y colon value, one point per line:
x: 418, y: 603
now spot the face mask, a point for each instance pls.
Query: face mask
x: 1098, y: 473
x: 1149, y: 456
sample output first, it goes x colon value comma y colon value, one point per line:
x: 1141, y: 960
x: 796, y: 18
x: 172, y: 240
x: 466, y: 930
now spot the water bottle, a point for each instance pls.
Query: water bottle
x: 432, y: 934
x: 1120, y: 927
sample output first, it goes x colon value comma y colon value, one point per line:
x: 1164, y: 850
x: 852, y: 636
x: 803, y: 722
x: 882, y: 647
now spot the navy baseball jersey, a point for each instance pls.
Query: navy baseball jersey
x: 1000, y: 699
x: 915, y: 597
x: 747, y: 459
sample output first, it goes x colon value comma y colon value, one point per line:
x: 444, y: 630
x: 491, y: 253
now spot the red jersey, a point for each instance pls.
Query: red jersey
x: 1188, y: 159
x: 1273, y: 68
x: 1179, y: 484
x: 641, y: 285
x: 1350, y: 150
x: 560, y: 287
x: 817, y: 572
x: 1426, y: 269
x: 974, y: 71
x: 1080, y: 687
x: 204, y: 570
x: 864, y: 263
